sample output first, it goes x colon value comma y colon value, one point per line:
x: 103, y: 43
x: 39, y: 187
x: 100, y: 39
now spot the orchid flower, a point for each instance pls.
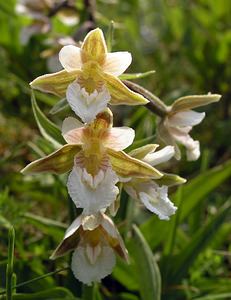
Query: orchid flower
x: 38, y: 11
x: 94, y: 155
x: 175, y: 127
x: 90, y: 80
x: 94, y: 240
x: 154, y: 193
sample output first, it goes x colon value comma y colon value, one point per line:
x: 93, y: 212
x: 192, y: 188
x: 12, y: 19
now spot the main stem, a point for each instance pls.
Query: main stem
x: 155, y: 105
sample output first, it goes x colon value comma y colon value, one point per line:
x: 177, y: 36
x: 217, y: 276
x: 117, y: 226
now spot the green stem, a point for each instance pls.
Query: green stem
x: 155, y: 104
x: 10, y: 264
x: 34, y: 280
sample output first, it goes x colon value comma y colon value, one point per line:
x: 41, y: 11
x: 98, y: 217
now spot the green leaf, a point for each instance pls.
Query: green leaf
x: 51, y: 227
x: 147, y: 268
x: 48, y: 129
x: 193, y: 193
x: 59, y: 106
x: 128, y: 76
x: 57, y: 293
x: 185, y: 259
x: 215, y: 297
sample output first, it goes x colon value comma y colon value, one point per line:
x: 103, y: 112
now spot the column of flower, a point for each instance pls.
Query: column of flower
x: 95, y: 158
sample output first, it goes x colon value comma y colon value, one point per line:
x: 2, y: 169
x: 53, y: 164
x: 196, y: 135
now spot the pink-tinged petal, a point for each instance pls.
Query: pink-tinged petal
x: 70, y: 123
x: 160, y: 156
x: 120, y: 94
x: 94, y: 47
x: 87, y: 272
x: 116, y: 63
x: 74, y: 136
x: 126, y: 166
x: 55, y: 83
x: 119, y: 138
x: 58, y: 162
x: 70, y: 58
x: 186, y: 118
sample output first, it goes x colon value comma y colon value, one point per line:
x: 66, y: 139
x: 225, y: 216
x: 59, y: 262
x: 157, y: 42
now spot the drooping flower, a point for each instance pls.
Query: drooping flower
x: 175, y: 127
x: 95, y: 241
x: 90, y: 77
x: 154, y: 193
x: 94, y: 154
x: 39, y: 11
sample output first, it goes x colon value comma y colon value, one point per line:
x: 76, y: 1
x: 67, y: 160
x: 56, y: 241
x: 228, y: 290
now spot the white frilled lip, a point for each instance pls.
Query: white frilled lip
x: 155, y: 199
x: 115, y: 63
x: 85, y: 105
x: 117, y: 138
x: 88, y: 272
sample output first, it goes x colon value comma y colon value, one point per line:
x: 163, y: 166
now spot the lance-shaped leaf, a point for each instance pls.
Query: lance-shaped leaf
x: 55, y: 83
x: 147, y: 268
x: 48, y: 129
x: 120, y: 94
x: 189, y: 102
x: 58, y: 162
x: 126, y: 166
x: 130, y: 76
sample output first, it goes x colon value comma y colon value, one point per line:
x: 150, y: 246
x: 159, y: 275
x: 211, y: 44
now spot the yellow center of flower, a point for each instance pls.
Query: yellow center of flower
x: 90, y: 78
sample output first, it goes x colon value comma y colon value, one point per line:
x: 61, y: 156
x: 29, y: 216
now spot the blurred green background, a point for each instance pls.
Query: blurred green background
x: 188, y: 44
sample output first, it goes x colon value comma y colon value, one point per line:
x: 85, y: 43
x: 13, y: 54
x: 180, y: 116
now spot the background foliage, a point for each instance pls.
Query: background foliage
x: 188, y: 43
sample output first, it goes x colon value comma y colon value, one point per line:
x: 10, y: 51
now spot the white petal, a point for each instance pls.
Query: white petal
x: 116, y: 63
x: 193, y: 153
x: 160, y: 156
x: 70, y: 124
x: 186, y: 118
x: 119, y: 138
x: 92, y: 200
x: 70, y: 58
x: 156, y: 200
x: 74, y: 136
x: 87, y: 272
x: 73, y: 227
x: 84, y: 105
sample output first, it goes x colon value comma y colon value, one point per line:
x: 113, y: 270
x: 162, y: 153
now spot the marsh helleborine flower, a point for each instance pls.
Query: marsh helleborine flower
x: 175, y: 127
x: 90, y: 80
x: 154, y: 193
x: 94, y: 154
x: 94, y: 240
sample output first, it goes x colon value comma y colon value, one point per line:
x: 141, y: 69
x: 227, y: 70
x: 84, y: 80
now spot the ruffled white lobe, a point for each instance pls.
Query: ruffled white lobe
x: 117, y: 62
x: 186, y: 118
x: 85, y: 105
x: 70, y: 58
x: 100, y: 264
x: 95, y: 196
x: 156, y: 200
x: 193, y: 152
x: 160, y: 156
x: 119, y: 138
